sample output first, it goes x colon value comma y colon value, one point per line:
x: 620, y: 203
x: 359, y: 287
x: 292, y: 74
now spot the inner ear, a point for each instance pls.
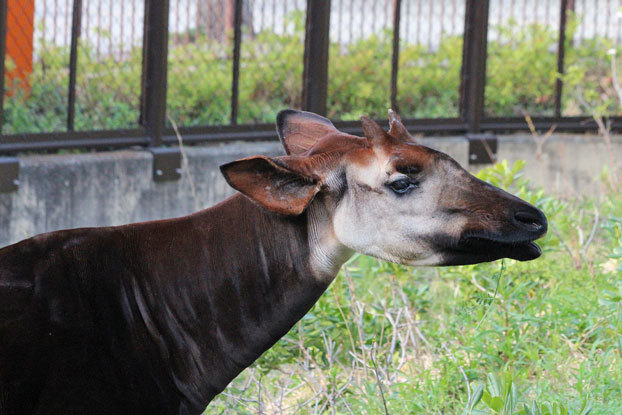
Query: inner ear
x: 271, y: 185
x: 300, y: 130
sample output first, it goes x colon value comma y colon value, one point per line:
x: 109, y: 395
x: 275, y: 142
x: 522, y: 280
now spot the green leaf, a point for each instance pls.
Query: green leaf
x: 493, y: 384
x: 476, y: 396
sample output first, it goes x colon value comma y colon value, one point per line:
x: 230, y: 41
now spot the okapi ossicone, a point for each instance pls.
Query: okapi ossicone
x: 158, y: 317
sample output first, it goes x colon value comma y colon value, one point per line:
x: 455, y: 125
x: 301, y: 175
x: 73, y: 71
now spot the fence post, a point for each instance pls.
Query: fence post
x: 395, y: 58
x: 73, y: 62
x: 237, y: 39
x: 561, y: 49
x: 9, y: 166
x: 315, y: 71
x: 3, y: 23
x: 482, y: 147
x: 166, y: 161
x: 473, y: 76
x: 155, y: 56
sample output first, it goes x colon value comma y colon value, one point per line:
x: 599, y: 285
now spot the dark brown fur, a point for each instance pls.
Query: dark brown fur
x: 153, y: 317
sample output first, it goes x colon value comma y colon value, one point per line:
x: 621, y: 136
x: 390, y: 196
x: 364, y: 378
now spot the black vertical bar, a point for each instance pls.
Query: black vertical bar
x: 3, y: 19
x: 561, y: 49
x: 473, y: 74
x: 237, y: 39
x: 395, y: 59
x: 315, y: 71
x: 155, y: 55
x: 76, y: 21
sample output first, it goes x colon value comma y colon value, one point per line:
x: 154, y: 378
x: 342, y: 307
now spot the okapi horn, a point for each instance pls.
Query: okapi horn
x: 397, y: 129
x: 372, y: 130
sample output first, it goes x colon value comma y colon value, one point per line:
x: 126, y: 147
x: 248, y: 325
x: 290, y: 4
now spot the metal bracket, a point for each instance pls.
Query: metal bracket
x: 166, y: 164
x: 482, y: 148
x: 9, y: 173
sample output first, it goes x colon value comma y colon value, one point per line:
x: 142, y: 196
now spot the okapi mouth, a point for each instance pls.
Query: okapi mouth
x: 475, y: 249
x: 519, y: 250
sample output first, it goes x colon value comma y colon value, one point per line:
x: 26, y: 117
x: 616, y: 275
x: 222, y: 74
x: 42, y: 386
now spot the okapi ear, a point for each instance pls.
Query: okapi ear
x: 397, y: 129
x: 271, y: 185
x: 300, y: 130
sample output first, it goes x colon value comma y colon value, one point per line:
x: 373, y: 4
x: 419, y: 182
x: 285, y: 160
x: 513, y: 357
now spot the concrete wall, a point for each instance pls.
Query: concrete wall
x: 569, y: 164
x: 113, y: 188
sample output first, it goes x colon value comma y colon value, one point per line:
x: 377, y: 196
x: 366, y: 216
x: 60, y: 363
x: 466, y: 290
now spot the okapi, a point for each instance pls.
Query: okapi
x: 158, y: 317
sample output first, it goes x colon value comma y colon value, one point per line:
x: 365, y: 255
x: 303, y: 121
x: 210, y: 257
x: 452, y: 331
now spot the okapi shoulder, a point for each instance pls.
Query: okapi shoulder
x: 16, y: 284
x: 53, y: 270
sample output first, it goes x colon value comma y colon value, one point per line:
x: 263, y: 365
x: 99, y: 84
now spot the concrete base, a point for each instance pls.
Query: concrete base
x: 113, y: 188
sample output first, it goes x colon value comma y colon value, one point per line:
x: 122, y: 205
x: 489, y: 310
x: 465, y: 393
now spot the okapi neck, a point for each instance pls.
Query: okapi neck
x: 255, y: 281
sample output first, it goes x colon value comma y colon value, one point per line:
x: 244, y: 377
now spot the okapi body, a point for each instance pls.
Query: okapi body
x: 158, y: 317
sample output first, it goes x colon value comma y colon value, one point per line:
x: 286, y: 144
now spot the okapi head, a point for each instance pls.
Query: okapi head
x: 386, y: 196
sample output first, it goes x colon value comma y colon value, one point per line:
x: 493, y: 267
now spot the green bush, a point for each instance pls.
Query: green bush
x: 360, y: 77
x: 521, y: 76
x: 521, y: 70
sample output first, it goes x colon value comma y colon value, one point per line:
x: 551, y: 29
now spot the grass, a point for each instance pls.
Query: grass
x: 540, y: 337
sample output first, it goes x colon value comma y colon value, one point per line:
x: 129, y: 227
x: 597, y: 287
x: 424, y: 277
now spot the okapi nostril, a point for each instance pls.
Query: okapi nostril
x: 530, y: 220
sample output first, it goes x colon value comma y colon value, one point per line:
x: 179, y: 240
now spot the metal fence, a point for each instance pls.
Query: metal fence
x: 105, y: 74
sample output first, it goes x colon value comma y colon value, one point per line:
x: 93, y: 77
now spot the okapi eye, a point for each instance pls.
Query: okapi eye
x: 401, y: 186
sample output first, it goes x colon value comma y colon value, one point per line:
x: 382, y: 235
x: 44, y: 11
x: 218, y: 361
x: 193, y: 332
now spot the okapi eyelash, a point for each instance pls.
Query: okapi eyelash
x: 409, y: 170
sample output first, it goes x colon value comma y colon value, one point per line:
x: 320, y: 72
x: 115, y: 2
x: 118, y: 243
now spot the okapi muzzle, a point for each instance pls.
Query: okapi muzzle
x: 498, y: 225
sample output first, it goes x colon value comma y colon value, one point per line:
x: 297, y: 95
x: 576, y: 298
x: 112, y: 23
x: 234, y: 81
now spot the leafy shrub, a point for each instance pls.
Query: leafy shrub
x: 521, y: 70
x: 360, y: 76
x: 521, y: 76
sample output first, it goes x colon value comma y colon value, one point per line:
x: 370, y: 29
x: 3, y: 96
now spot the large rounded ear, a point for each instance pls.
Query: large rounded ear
x: 272, y: 185
x: 300, y: 130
